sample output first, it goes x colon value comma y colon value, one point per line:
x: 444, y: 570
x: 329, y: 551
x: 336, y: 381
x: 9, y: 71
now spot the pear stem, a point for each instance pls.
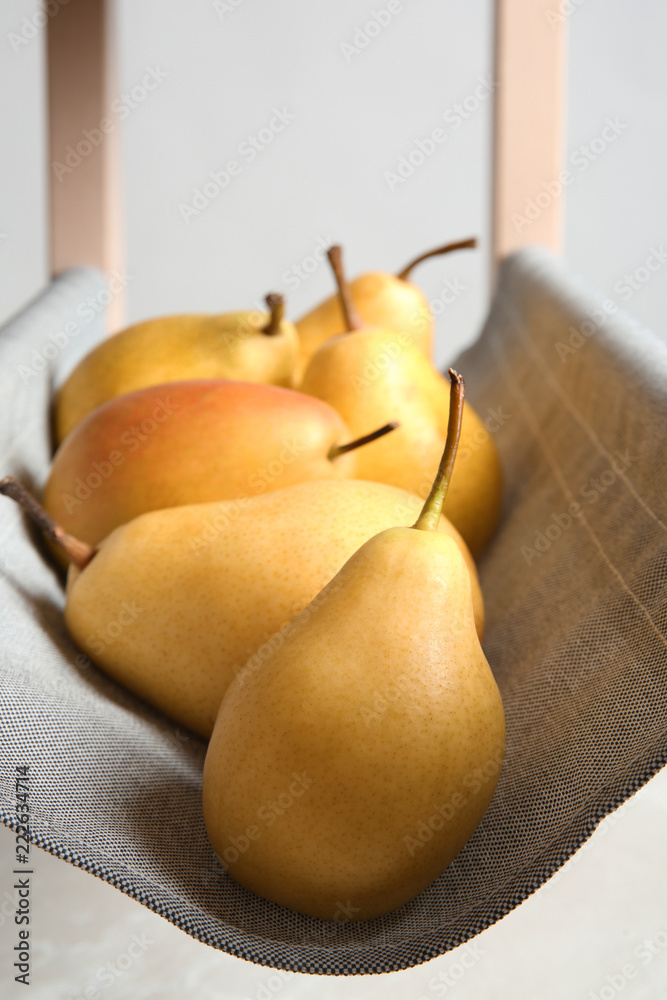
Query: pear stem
x: 429, y: 518
x: 276, y: 304
x: 79, y: 553
x: 352, y: 318
x: 341, y: 449
x: 459, y: 245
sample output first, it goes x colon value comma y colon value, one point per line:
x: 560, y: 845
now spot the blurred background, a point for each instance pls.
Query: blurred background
x: 318, y: 112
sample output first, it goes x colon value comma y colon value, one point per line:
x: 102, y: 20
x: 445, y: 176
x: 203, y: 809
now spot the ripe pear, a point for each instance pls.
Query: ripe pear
x: 191, y: 442
x: 372, y: 722
x: 372, y: 371
x: 381, y: 299
x: 174, y: 604
x: 247, y: 346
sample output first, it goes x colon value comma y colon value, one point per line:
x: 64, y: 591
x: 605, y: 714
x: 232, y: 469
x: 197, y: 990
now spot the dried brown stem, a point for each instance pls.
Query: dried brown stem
x: 341, y: 449
x: 79, y: 553
x: 352, y: 318
x: 429, y: 518
x: 276, y: 303
x: 459, y: 245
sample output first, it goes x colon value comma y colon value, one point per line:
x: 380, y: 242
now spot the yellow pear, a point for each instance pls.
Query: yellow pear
x: 343, y: 777
x: 244, y: 346
x: 381, y: 299
x: 374, y: 371
x: 173, y: 604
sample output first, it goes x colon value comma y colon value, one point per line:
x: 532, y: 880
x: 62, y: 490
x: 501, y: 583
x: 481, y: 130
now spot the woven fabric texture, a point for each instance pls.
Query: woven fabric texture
x: 575, y: 394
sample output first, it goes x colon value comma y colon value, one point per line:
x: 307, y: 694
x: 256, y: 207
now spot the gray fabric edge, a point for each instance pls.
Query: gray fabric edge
x: 312, y: 960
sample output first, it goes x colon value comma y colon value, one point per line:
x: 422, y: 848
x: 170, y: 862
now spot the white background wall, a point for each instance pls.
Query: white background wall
x: 23, y: 166
x: 322, y: 178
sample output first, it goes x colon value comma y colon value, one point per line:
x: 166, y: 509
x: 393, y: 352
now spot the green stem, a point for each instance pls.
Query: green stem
x: 341, y: 449
x: 79, y: 553
x: 276, y: 304
x: 352, y: 318
x: 459, y: 245
x: 429, y: 518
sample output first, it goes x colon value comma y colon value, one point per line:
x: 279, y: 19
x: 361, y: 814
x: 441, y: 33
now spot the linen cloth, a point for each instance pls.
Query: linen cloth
x: 575, y: 394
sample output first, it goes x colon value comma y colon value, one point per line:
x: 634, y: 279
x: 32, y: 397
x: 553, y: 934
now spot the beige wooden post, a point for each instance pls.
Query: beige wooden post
x: 84, y: 167
x: 529, y: 113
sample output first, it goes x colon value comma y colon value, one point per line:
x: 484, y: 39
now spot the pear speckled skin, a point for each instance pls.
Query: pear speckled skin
x: 369, y: 373
x: 381, y: 300
x: 190, y: 442
x: 175, y: 603
x: 360, y: 771
x: 174, y: 348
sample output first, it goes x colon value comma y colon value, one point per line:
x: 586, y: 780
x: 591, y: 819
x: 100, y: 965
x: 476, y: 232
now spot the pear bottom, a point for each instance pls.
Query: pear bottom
x: 343, y: 777
x: 381, y: 875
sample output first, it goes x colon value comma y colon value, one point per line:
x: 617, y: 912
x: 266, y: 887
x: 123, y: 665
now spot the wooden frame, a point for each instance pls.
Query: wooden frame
x: 84, y: 149
x: 529, y: 117
x: 85, y: 196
